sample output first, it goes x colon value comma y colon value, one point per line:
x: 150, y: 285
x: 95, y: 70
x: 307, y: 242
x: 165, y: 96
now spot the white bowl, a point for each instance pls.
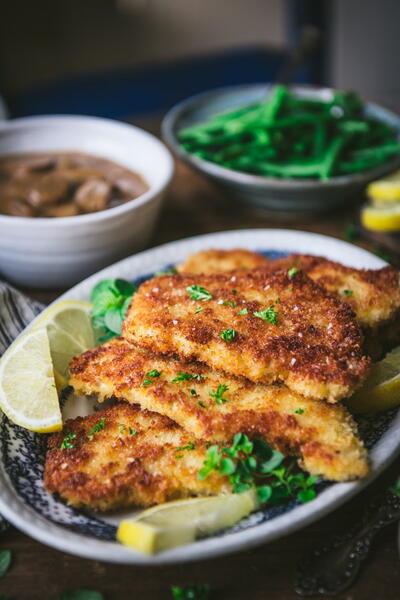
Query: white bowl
x: 58, y: 252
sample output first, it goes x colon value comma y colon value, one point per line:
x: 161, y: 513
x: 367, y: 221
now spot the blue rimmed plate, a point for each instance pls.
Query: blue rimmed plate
x: 25, y: 503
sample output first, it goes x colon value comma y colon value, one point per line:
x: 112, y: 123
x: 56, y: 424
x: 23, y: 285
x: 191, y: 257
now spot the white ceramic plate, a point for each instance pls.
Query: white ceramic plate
x: 24, y: 502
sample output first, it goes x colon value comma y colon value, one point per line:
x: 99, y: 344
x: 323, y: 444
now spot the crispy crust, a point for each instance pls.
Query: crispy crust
x: 220, y: 261
x: 322, y: 435
x: 118, y: 470
x: 315, y: 347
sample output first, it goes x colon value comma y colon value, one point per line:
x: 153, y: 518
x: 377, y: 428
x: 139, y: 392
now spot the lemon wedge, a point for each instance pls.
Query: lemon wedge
x: 70, y: 332
x: 381, y: 390
x: 28, y: 393
x: 386, y: 190
x: 381, y: 218
x: 181, y: 522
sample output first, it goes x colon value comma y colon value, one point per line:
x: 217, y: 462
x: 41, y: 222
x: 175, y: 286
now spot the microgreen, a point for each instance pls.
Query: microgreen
x: 111, y: 299
x: 186, y: 377
x: 99, y: 426
x: 292, y: 272
x: 244, y: 311
x: 196, y: 292
x: 218, y: 395
x: 348, y: 292
x: 269, y: 314
x: 228, y: 335
x: 149, y: 376
x: 5, y: 562
x: 196, y: 592
x: 67, y: 441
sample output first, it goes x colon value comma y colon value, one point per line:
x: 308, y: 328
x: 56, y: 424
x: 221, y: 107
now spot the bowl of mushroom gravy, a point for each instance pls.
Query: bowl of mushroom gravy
x: 76, y: 194
x: 64, y: 184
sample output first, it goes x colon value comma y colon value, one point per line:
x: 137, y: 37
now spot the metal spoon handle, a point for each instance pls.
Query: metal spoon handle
x: 331, y: 568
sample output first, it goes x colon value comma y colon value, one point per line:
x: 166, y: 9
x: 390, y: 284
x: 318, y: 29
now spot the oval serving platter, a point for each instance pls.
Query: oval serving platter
x: 25, y: 503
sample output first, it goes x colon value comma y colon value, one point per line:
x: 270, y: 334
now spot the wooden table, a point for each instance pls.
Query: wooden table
x: 194, y: 206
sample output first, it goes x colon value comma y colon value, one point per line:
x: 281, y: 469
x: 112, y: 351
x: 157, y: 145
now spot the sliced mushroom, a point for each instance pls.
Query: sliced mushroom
x: 93, y: 195
x: 68, y: 209
x: 48, y: 189
x: 37, y: 164
x: 17, y: 207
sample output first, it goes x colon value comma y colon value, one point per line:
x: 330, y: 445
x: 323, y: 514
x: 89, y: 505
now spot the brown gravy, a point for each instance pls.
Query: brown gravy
x: 64, y: 184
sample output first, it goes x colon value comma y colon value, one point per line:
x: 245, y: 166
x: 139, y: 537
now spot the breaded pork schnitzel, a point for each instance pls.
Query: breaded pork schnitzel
x: 373, y: 294
x: 324, y: 436
x: 124, y: 457
x: 267, y: 327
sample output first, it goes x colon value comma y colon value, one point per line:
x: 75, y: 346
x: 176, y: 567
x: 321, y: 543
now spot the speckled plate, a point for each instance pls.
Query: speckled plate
x: 25, y: 503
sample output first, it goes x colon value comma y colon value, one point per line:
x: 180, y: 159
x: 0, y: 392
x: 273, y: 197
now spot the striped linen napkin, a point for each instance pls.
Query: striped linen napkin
x: 16, y: 312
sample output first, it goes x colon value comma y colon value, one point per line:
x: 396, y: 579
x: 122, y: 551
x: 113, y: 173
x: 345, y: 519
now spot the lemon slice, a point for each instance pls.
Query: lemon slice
x: 386, y: 190
x: 28, y: 393
x: 381, y: 390
x: 70, y: 333
x: 386, y: 218
x: 176, y: 523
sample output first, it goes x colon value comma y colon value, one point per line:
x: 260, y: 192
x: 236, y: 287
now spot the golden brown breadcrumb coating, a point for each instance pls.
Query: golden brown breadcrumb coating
x: 293, y: 331
x: 220, y: 261
x: 323, y: 435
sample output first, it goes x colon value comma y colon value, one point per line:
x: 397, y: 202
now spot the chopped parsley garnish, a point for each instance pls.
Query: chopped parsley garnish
x: 186, y: 377
x: 269, y: 314
x: 196, y: 292
x: 348, y: 292
x: 196, y: 592
x: 132, y: 431
x: 228, y: 335
x: 218, y: 395
x: 110, y: 299
x: 229, y: 303
x: 96, y: 428
x: 299, y: 411
x: 189, y: 446
x: 196, y: 312
x: 292, y: 272
x: 234, y: 291
x: 200, y: 403
x: 256, y: 465
x: 150, y: 375
x: 121, y: 428
x: 244, y: 311
x: 170, y: 271
x: 67, y: 441
x: 193, y: 392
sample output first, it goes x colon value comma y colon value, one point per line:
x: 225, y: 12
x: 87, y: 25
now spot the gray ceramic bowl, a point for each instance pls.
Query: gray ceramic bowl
x: 294, y: 195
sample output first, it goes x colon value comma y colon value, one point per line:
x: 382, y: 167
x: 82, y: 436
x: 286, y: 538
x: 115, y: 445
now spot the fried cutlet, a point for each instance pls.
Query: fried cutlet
x: 263, y: 326
x: 324, y: 436
x: 220, y: 261
x: 124, y: 457
x: 373, y: 294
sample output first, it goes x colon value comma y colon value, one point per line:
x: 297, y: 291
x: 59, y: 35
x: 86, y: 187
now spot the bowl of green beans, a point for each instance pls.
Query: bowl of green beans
x: 298, y: 149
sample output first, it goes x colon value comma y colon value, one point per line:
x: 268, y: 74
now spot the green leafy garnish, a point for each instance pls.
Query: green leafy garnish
x: 200, y: 403
x: 193, y: 392
x: 244, y: 311
x: 269, y: 314
x: 67, y: 441
x: 132, y: 431
x: 111, y: 299
x: 96, y: 428
x: 5, y: 562
x: 195, y: 592
x: 196, y: 312
x: 196, y: 292
x: 186, y: 377
x: 189, y: 446
x: 348, y: 292
x: 299, y: 411
x: 218, y: 395
x: 121, y: 428
x: 150, y: 376
x: 292, y: 272
x: 351, y: 232
x: 170, y: 271
x: 228, y: 335
x: 81, y: 595
x: 229, y: 303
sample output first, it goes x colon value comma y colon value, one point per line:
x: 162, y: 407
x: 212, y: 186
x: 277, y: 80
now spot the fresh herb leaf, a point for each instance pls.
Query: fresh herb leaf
x: 244, y: 311
x: 269, y: 314
x: 150, y: 376
x: 276, y: 458
x: 292, y: 272
x: 351, y: 232
x: 306, y: 495
x: 193, y: 392
x: 196, y: 292
x: 218, y: 395
x: 113, y: 320
x: 196, y: 592
x: 121, y: 428
x: 186, y: 377
x: 169, y: 271
x: 200, y: 403
x: 189, y: 446
x: 229, y: 303
x: 348, y: 292
x: 132, y: 431
x: 5, y: 562
x: 234, y: 291
x: 81, y: 595
x: 67, y: 441
x: 96, y: 428
x: 111, y: 299
x: 299, y: 411
x: 196, y: 312
x: 227, y: 466
x: 228, y: 335
x: 264, y: 493
x: 211, y: 463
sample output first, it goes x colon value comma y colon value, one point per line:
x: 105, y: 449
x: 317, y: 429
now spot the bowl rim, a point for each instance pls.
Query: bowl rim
x: 171, y: 118
x: 102, y: 215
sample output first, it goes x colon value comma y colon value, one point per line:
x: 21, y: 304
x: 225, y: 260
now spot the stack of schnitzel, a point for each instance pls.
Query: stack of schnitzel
x: 233, y: 342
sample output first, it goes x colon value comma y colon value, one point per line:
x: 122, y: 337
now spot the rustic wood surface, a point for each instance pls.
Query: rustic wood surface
x: 195, y: 206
